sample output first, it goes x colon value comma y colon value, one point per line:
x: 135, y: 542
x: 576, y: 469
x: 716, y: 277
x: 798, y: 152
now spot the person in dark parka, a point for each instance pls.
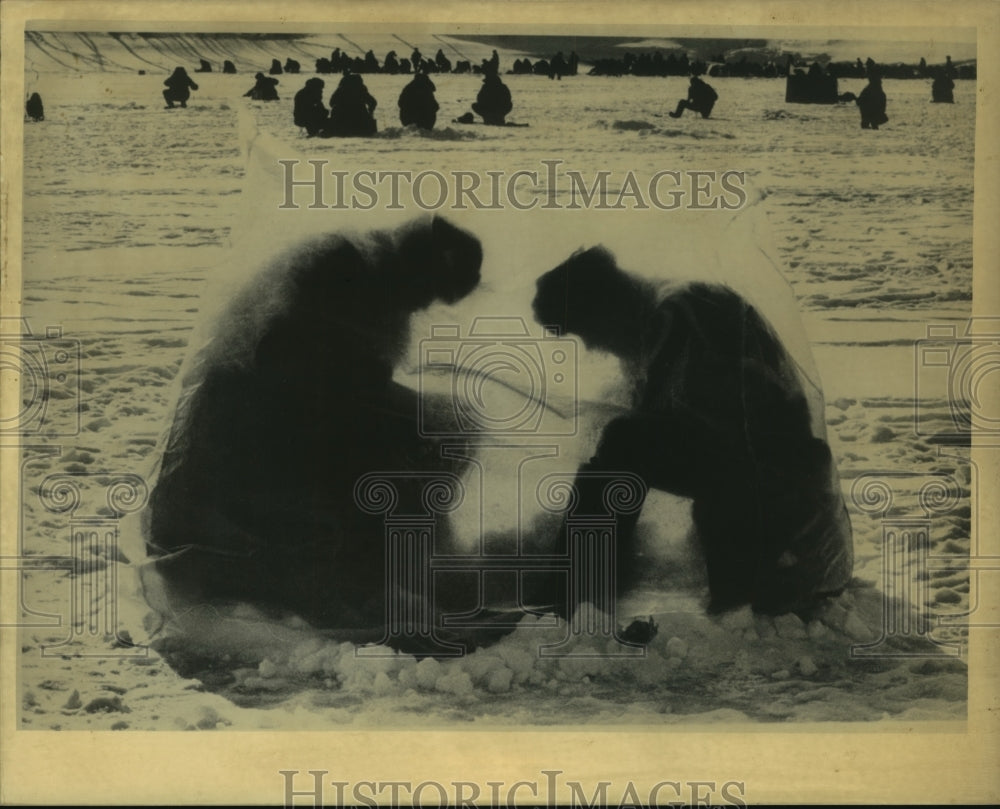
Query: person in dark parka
x: 872, y: 103
x: 179, y: 86
x: 265, y: 89
x: 443, y: 62
x: 34, y: 108
x: 417, y: 104
x: 284, y: 410
x: 942, y: 89
x: 309, y: 111
x: 493, y: 102
x: 352, y: 109
x: 557, y: 67
x: 719, y: 414
x: 700, y: 98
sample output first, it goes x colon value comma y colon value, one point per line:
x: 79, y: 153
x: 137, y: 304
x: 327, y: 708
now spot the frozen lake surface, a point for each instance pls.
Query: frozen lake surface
x: 135, y: 216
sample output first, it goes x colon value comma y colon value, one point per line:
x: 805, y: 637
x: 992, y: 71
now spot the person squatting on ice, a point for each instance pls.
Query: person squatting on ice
x: 265, y: 89
x: 179, y: 86
x: 493, y: 102
x: 417, y: 104
x: 352, y: 109
x: 309, y: 111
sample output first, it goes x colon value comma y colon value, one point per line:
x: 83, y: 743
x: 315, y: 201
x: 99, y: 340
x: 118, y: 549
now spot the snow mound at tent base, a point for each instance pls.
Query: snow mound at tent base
x: 740, y: 666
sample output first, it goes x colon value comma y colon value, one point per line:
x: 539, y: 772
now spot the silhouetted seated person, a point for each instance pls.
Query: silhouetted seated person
x: 700, y: 98
x: 351, y: 109
x: 265, y: 89
x: 391, y: 63
x: 289, y: 404
x: 718, y: 414
x: 292, y: 66
x: 309, y: 111
x: 443, y: 62
x: 871, y: 102
x: 493, y: 102
x: 814, y: 87
x: 943, y: 89
x: 204, y: 67
x: 417, y: 104
x: 557, y: 67
x: 228, y: 67
x: 34, y: 108
x: 275, y: 68
x: 179, y: 87
x: 492, y: 65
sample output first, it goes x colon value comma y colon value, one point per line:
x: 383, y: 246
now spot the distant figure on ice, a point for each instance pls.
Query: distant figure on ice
x: 700, y: 98
x: 871, y: 102
x: 417, y: 104
x: 179, y: 86
x: 352, y: 109
x: 557, y: 67
x: 720, y: 413
x: 204, y: 67
x: 943, y: 88
x: 443, y: 62
x: 34, y: 108
x: 492, y: 65
x: 493, y: 102
x: 292, y: 66
x: 265, y: 89
x: 309, y: 111
x: 275, y: 68
x: 228, y: 67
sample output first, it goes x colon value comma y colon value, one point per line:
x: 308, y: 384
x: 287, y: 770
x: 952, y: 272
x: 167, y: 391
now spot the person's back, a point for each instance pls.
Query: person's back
x: 703, y: 96
x: 417, y: 104
x: 179, y: 84
x: 34, y: 108
x: 493, y: 102
x: 872, y: 103
x: 352, y: 108
x: 309, y: 111
x: 942, y: 89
